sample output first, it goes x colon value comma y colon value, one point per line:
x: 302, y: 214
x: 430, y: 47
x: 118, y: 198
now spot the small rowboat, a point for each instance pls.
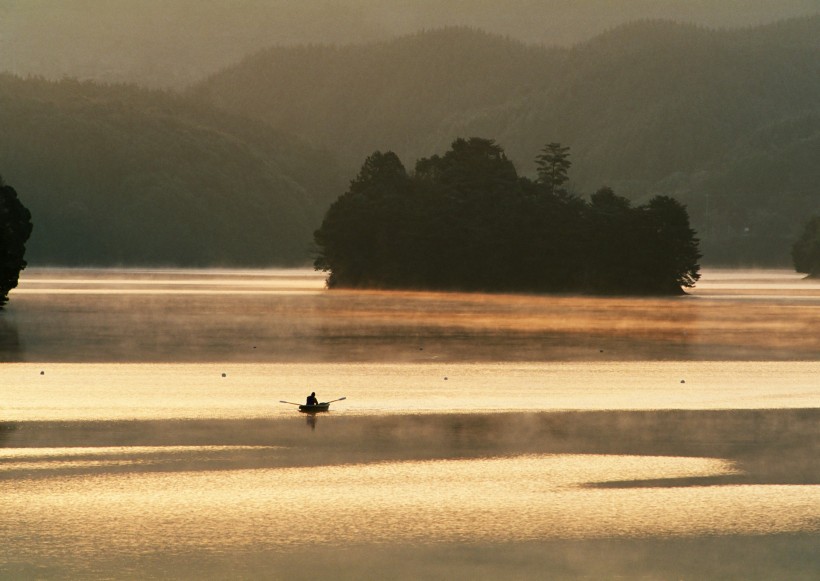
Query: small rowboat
x: 315, y: 408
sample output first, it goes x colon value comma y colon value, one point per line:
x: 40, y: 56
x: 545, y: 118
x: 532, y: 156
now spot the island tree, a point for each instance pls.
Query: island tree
x: 15, y: 229
x: 363, y: 234
x: 553, y: 166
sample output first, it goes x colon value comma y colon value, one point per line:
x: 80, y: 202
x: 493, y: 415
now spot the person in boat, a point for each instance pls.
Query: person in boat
x: 311, y: 399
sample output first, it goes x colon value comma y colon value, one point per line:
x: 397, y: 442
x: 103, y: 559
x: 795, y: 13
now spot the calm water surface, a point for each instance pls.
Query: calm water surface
x: 483, y: 436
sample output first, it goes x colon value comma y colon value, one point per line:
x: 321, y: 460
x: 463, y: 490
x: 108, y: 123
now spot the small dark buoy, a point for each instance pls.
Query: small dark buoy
x: 42, y: 373
x: 683, y: 381
x: 224, y: 375
x: 445, y: 379
x: 601, y: 351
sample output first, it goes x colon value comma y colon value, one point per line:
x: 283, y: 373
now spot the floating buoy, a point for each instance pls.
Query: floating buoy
x: 42, y: 373
x: 445, y: 379
x: 224, y: 375
x: 683, y: 381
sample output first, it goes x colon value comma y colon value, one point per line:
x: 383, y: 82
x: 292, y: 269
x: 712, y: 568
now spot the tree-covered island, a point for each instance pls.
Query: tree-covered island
x: 467, y: 221
x: 15, y: 229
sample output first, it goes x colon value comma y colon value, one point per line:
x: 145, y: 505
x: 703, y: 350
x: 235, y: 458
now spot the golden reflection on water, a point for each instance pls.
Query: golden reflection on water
x: 136, y: 281
x: 419, y: 453
x: 496, y: 499
x: 49, y: 459
x: 163, y: 391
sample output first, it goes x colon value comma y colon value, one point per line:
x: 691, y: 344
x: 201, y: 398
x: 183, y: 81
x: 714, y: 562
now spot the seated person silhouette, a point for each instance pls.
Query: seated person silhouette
x: 311, y: 399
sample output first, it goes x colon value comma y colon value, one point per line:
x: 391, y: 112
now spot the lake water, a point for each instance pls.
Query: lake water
x: 482, y: 436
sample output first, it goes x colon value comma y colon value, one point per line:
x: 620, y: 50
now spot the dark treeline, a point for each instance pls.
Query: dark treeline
x: 466, y: 220
x: 15, y: 229
x: 727, y: 121
x: 118, y: 175
x: 806, y: 250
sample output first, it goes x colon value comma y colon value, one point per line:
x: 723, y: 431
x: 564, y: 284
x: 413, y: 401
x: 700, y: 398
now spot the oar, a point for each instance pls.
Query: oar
x: 290, y: 402
x: 331, y: 401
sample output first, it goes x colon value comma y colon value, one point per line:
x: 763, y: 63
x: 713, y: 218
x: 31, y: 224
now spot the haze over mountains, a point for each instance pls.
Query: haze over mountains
x: 239, y: 167
x: 171, y: 43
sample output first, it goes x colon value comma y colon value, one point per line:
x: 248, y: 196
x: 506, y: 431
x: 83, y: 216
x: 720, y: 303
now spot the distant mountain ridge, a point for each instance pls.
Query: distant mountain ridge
x: 172, y: 43
x: 652, y: 107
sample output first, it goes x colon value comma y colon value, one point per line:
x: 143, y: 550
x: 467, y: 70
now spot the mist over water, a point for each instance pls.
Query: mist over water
x: 483, y: 436
x: 285, y: 316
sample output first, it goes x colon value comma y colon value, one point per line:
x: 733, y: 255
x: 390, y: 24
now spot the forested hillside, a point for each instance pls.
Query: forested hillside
x: 410, y: 95
x: 120, y: 175
x: 727, y: 121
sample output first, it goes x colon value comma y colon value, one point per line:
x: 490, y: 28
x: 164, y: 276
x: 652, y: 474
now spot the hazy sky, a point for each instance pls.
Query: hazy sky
x: 175, y: 42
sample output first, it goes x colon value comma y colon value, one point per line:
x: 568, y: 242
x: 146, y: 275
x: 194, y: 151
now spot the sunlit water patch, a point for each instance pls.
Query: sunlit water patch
x: 109, y: 391
x: 499, y: 499
x: 27, y: 460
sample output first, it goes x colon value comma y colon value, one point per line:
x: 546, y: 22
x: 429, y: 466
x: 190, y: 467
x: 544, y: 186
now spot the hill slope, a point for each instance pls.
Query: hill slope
x: 119, y: 175
x: 403, y: 95
x: 650, y: 107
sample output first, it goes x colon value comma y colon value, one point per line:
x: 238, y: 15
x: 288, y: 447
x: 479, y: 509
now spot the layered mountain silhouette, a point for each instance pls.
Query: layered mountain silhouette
x: 240, y: 168
x: 727, y: 121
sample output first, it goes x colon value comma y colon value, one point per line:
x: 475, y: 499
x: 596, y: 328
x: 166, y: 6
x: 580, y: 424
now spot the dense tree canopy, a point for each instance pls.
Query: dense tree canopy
x: 15, y: 229
x: 806, y: 251
x: 466, y: 220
